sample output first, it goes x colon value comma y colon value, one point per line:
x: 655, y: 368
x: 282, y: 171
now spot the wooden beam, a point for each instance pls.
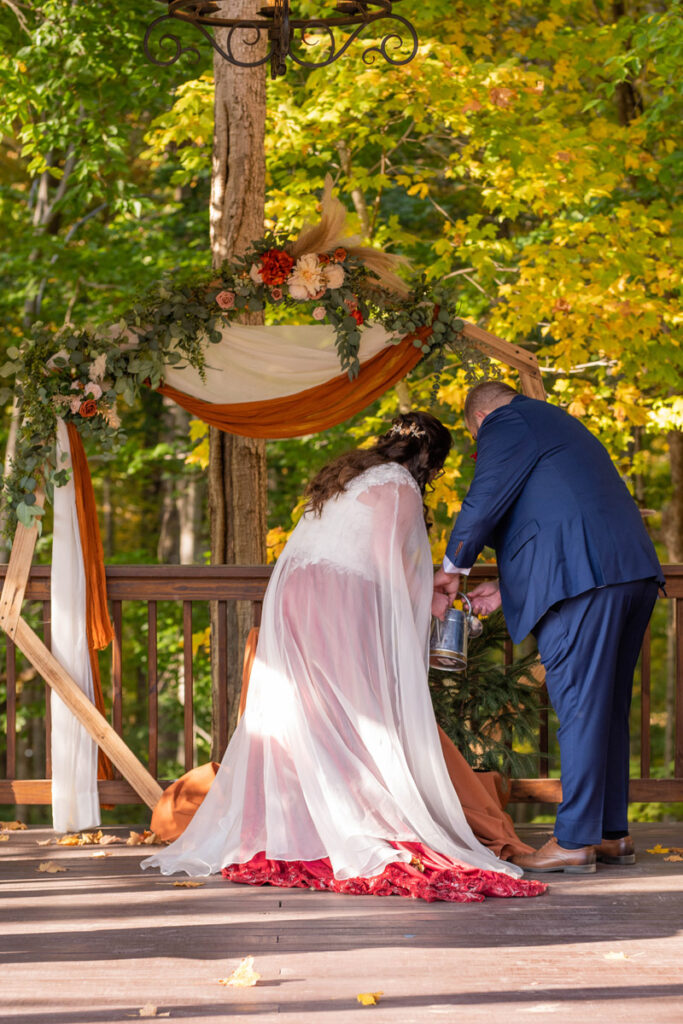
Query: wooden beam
x: 18, y: 571
x: 532, y: 384
x: 87, y: 714
x: 549, y: 791
x: 39, y: 791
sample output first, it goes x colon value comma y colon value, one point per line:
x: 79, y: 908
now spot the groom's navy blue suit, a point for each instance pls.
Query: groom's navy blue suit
x: 578, y: 570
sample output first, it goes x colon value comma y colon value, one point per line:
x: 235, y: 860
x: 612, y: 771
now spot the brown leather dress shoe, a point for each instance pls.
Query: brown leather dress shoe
x: 552, y: 857
x: 616, y: 851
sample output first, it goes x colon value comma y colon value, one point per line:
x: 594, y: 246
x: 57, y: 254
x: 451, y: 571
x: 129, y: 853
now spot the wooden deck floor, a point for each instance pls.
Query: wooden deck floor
x: 96, y: 943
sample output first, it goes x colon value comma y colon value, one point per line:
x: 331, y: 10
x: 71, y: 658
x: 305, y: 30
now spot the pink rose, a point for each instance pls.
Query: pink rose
x: 319, y: 313
x: 226, y: 300
x: 74, y: 405
x: 276, y: 294
x: 94, y: 390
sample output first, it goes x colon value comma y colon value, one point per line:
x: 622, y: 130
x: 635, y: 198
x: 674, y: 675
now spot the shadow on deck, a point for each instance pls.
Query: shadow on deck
x: 101, y: 940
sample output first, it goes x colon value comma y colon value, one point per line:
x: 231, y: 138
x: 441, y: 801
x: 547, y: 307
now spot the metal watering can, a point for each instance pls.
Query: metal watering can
x: 448, y: 640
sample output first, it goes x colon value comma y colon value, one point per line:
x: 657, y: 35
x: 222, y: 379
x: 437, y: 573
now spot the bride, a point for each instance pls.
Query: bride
x: 335, y: 777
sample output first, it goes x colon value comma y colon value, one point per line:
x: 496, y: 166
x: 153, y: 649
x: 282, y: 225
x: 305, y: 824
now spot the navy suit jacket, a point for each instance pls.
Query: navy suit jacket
x: 548, y: 498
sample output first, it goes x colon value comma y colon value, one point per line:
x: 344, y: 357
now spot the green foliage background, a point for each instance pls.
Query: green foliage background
x: 530, y: 157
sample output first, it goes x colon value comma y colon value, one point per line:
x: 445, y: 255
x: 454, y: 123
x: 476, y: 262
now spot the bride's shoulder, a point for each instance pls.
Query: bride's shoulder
x: 386, y: 472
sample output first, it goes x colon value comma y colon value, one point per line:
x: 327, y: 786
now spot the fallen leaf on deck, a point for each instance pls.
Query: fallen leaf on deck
x: 674, y: 856
x: 11, y: 826
x: 244, y: 976
x: 102, y: 853
x: 149, y: 1010
x: 4, y: 839
x: 147, y: 838
x: 43, y: 842
x: 659, y: 849
x: 188, y: 885
x: 369, y: 998
x: 81, y: 839
x: 108, y: 840
x: 50, y: 867
x: 616, y: 956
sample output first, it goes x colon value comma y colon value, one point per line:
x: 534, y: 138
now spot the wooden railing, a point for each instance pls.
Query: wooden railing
x: 191, y: 585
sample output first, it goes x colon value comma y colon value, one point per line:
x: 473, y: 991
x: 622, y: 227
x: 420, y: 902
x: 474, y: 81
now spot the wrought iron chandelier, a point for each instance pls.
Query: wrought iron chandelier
x: 287, y: 35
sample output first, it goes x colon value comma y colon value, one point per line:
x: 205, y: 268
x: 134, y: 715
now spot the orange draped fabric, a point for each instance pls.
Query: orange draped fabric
x: 98, y: 624
x: 312, y: 410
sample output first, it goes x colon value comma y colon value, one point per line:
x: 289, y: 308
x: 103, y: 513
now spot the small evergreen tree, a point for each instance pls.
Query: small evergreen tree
x: 489, y: 709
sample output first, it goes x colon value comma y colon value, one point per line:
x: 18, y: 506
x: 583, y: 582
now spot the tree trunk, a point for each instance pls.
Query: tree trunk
x: 237, y: 465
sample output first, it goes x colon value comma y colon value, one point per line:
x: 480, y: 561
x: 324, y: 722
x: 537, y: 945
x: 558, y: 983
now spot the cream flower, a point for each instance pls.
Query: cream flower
x: 98, y: 366
x: 255, y: 274
x: 334, y: 275
x: 319, y: 313
x: 307, y: 278
x: 94, y: 390
x: 75, y: 404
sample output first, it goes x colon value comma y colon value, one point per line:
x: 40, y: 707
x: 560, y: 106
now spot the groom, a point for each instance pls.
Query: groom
x: 579, y: 571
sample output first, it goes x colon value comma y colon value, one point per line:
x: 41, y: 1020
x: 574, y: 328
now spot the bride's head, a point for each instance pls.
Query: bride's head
x: 416, y: 440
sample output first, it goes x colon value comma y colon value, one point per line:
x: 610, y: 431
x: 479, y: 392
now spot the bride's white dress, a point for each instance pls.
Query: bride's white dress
x: 337, y: 754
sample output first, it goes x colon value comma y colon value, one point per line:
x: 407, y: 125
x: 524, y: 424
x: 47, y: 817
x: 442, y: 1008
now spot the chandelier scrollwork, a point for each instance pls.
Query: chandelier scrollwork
x: 287, y: 36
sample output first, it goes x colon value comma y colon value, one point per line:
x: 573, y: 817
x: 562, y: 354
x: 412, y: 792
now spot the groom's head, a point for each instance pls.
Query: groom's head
x: 484, y: 398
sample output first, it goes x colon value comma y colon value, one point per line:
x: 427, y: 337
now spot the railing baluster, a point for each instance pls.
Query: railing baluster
x: 117, y: 672
x: 222, y: 641
x: 152, y: 689
x: 543, y: 735
x: 11, y: 768
x: 188, y: 684
x: 678, y: 757
x: 47, y: 640
x: 645, y: 706
x: 257, y: 609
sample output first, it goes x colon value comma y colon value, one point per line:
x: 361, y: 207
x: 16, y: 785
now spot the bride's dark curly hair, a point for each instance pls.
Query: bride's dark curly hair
x: 416, y: 440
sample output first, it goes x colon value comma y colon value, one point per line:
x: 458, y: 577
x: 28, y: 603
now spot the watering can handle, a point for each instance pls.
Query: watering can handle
x: 463, y: 597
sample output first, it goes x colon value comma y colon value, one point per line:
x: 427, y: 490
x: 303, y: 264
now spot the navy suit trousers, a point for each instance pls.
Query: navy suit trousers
x: 589, y: 646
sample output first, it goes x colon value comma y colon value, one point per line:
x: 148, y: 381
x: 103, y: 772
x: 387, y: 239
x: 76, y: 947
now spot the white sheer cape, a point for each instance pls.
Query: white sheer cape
x: 338, y: 752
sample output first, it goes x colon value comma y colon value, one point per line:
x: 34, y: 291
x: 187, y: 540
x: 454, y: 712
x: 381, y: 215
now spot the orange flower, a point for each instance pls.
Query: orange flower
x: 340, y: 254
x: 88, y: 409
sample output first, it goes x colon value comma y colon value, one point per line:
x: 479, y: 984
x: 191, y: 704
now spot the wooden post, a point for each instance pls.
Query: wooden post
x: 524, y: 362
x: 58, y: 678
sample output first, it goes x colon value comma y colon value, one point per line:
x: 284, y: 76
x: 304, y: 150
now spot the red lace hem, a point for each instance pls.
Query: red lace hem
x: 429, y: 876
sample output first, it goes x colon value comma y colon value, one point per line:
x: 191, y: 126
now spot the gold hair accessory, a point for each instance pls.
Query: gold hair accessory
x: 408, y: 431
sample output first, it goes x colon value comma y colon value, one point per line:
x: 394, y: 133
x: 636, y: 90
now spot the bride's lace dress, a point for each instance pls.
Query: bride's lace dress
x: 335, y: 776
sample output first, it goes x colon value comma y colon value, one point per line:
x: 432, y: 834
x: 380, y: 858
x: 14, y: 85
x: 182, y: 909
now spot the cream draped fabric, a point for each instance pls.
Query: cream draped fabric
x: 337, y: 753
x: 75, y: 801
x: 253, y: 364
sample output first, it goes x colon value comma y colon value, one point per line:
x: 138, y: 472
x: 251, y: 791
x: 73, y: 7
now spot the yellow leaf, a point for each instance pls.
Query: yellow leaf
x: 616, y: 956
x: 68, y: 841
x: 674, y: 856
x: 244, y: 976
x: 369, y: 998
x: 49, y: 867
x: 108, y: 840
x: 147, y: 838
x: 43, y: 842
x: 150, y: 1010
x: 659, y: 849
x: 4, y: 839
x: 188, y: 885
x: 101, y: 853
x: 11, y: 826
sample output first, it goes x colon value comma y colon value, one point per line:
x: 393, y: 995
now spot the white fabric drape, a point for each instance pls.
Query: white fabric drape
x: 338, y: 752
x: 252, y: 364
x: 75, y: 802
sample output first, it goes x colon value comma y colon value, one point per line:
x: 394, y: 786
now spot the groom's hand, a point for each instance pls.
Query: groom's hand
x: 447, y: 582
x: 485, y: 598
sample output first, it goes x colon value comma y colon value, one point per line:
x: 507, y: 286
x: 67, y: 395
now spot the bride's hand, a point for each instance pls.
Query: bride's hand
x: 485, y: 598
x: 440, y: 604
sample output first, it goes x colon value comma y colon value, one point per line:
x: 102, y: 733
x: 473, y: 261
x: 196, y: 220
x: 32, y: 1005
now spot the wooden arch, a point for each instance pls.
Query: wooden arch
x: 45, y: 663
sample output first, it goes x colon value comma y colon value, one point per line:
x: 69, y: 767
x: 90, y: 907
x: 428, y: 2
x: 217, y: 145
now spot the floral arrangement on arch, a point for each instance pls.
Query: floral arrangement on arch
x: 81, y: 374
